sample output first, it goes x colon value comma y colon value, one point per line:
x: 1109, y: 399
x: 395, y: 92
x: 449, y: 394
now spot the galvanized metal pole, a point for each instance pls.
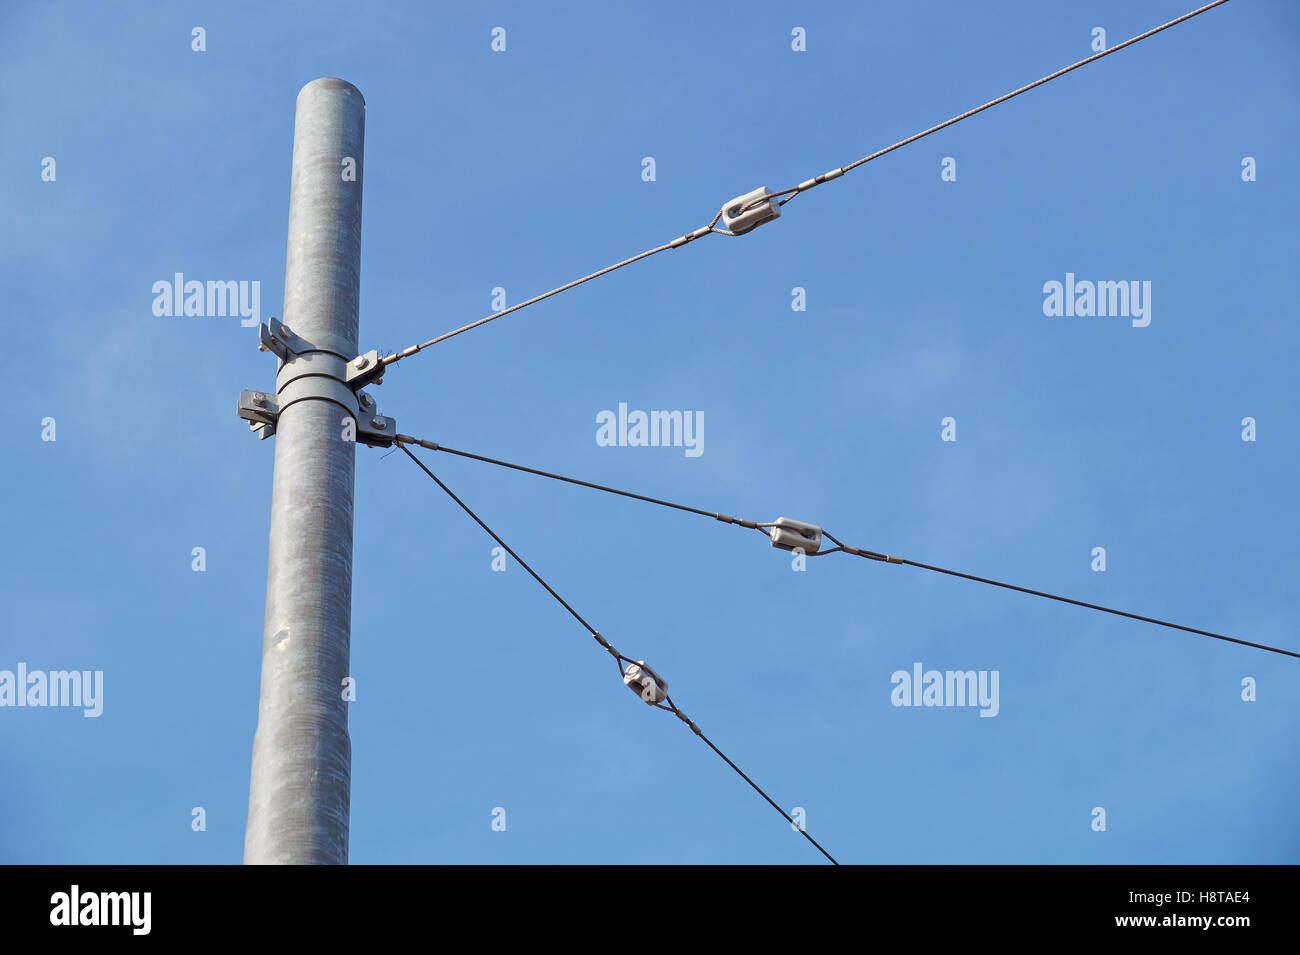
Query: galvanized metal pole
x: 302, y: 757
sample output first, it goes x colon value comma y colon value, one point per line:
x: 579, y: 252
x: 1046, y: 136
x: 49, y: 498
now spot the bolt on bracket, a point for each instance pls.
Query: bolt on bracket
x: 376, y: 431
x: 364, y: 370
x: 260, y: 410
x: 266, y: 341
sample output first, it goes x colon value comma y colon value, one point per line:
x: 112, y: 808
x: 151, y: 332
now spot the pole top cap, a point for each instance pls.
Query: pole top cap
x: 331, y: 83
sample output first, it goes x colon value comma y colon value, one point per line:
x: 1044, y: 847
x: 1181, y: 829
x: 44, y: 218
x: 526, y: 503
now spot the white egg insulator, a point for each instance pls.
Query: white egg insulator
x: 739, y: 219
x: 789, y: 534
x: 645, y: 682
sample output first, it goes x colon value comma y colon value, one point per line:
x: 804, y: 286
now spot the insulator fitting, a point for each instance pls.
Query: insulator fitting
x: 746, y: 213
x: 789, y: 534
x: 645, y: 683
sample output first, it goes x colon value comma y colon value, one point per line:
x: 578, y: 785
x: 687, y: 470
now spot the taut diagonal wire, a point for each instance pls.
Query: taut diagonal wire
x: 672, y: 707
x: 403, y: 440
x: 796, y: 190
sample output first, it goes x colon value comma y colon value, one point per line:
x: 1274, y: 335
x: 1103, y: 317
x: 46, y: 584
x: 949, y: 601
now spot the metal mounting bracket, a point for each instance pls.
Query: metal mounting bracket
x: 275, y: 336
x: 364, y: 370
x: 307, y: 373
x: 267, y: 341
x: 261, y: 411
x: 376, y: 430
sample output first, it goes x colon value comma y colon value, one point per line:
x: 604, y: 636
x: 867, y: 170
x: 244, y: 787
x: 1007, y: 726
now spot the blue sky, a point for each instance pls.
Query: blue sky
x: 523, y: 170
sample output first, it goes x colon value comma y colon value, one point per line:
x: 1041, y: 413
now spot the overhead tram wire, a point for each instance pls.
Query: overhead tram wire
x: 790, y: 193
x: 1080, y: 603
x: 785, y: 196
x: 403, y: 439
x: 407, y: 352
x: 434, y: 446
x: 620, y: 658
x: 1014, y: 93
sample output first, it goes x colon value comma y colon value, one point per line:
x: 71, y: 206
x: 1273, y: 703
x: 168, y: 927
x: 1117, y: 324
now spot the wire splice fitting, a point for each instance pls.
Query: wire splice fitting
x: 818, y: 180
x: 871, y: 554
x: 407, y: 439
x: 687, y: 720
x: 609, y: 648
x: 689, y: 237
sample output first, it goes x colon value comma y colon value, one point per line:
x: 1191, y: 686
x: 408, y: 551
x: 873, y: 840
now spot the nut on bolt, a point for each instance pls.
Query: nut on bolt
x: 377, y: 424
x: 259, y: 400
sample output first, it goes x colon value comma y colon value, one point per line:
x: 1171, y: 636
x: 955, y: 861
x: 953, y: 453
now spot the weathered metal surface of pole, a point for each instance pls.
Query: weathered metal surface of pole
x: 302, y: 757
